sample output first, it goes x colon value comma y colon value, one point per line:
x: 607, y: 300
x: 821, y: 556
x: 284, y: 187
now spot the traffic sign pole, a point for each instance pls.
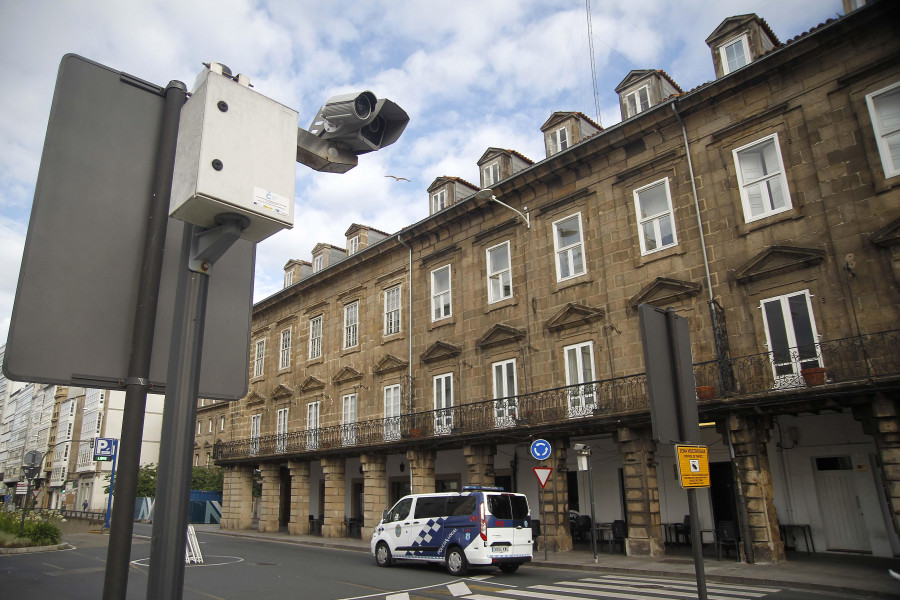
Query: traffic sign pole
x: 112, y: 482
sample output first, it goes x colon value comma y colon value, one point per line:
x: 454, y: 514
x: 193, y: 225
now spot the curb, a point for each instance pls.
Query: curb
x: 32, y: 549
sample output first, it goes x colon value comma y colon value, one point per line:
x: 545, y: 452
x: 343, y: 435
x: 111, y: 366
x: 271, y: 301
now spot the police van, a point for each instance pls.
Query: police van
x: 481, y: 526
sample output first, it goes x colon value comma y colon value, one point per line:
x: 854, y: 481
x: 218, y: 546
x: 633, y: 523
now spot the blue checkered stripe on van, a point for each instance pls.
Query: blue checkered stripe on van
x: 429, y: 535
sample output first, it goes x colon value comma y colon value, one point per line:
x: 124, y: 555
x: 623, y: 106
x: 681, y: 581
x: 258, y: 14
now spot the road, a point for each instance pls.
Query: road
x: 238, y: 568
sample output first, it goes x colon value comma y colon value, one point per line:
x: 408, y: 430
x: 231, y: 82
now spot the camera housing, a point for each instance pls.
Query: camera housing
x: 359, y: 122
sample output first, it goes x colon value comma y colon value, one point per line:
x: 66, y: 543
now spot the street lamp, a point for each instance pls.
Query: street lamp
x: 583, y: 452
x: 488, y: 194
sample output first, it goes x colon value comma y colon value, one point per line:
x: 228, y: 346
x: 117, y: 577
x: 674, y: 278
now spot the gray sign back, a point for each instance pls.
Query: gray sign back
x: 75, y: 301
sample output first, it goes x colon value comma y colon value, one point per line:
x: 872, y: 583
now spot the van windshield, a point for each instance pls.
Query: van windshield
x: 508, y: 506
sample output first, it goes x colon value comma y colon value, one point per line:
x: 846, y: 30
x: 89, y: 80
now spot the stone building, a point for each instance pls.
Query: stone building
x: 762, y: 206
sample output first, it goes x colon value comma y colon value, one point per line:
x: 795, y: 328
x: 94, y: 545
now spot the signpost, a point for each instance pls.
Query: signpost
x: 541, y: 450
x: 693, y: 466
x: 106, y: 449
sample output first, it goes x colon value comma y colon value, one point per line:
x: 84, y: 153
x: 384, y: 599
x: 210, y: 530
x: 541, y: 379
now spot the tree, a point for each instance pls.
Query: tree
x: 208, y: 479
x: 146, y: 481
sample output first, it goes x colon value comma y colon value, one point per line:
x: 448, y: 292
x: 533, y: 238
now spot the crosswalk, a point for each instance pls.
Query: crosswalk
x: 620, y: 587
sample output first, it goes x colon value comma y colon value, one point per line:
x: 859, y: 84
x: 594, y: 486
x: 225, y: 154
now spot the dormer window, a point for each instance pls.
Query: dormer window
x: 439, y: 201
x: 318, y: 261
x: 559, y: 140
x: 288, y: 278
x: 491, y: 174
x: 735, y: 54
x: 638, y: 101
x: 353, y: 245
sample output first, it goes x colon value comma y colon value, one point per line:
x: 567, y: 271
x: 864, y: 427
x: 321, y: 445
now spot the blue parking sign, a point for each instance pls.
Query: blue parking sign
x: 105, y: 449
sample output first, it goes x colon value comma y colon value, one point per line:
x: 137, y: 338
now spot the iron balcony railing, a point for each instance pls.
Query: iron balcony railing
x: 799, y: 369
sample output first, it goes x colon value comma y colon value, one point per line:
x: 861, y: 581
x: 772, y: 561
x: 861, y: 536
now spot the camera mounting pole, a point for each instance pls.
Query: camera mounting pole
x: 322, y: 155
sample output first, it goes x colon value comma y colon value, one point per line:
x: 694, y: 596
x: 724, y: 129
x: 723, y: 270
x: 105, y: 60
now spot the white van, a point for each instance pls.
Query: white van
x: 480, y: 526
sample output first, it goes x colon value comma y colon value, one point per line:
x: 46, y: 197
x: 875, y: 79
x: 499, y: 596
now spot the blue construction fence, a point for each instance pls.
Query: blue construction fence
x: 206, y: 507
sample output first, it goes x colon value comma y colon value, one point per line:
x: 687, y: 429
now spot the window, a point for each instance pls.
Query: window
x: 568, y: 243
x: 258, y: 359
x: 443, y: 404
x: 210, y: 427
x: 196, y: 460
x: 761, y: 177
x: 392, y: 310
x: 315, y: 337
x: 312, y: 425
x: 284, y: 357
x: 221, y: 423
x: 348, y: 429
x: 288, y: 278
x: 318, y: 263
x: 505, y: 403
x: 735, y: 54
x: 198, y: 426
x: 791, y: 337
x: 439, y: 201
x: 579, y: 375
x: 656, y: 226
x: 884, y: 109
x: 208, y: 458
x: 637, y: 101
x: 498, y: 273
x: 391, y: 413
x: 255, y: 422
x: 559, y: 140
x: 440, y: 293
x: 353, y: 245
x: 351, y: 325
x: 69, y: 432
x: 491, y: 174
x: 281, y: 427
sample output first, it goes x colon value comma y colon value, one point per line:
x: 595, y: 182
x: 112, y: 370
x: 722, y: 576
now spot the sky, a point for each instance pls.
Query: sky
x: 470, y: 74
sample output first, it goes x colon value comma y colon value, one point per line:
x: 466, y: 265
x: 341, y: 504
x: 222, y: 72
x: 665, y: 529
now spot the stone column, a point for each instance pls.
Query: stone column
x: 749, y: 435
x: 335, y: 497
x: 374, y: 491
x: 553, y: 507
x: 270, y: 501
x: 299, y: 524
x: 645, y: 535
x: 881, y: 420
x: 237, y: 497
x: 421, y: 464
x: 480, y: 464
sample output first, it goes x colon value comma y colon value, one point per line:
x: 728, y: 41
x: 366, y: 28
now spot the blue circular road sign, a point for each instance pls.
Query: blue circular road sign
x: 540, y: 449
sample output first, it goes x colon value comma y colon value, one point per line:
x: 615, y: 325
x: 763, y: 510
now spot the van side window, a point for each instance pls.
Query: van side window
x: 460, y: 506
x: 431, y: 506
x: 508, y: 506
x: 400, y: 510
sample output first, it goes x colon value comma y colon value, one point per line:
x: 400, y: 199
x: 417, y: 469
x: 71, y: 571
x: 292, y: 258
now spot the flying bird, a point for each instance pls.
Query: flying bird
x: 397, y: 178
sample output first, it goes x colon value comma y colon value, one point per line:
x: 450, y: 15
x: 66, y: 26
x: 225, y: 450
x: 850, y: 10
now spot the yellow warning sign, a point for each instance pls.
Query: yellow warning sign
x: 693, y: 466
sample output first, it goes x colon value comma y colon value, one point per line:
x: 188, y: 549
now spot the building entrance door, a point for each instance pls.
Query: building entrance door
x: 845, y: 528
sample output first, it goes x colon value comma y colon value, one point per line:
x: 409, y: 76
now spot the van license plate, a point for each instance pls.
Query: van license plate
x: 500, y: 549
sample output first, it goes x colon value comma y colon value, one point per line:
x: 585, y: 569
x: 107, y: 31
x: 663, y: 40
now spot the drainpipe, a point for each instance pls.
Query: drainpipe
x: 409, y: 335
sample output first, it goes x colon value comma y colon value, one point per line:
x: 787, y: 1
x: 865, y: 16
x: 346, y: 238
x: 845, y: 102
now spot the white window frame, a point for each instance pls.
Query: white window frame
x: 888, y: 163
x: 491, y: 174
x: 567, y: 253
x: 315, y: 336
x: 441, y: 309
x: 348, y: 428
x: 312, y: 425
x: 506, y: 386
x: 284, y: 356
x: 438, y: 201
x: 259, y: 357
x: 559, y: 140
x: 392, y: 412
x: 787, y: 363
x: 351, y: 325
x: 255, y: 428
x: 745, y: 46
x: 503, y: 277
x: 353, y: 245
x: 288, y: 278
x: 654, y: 221
x: 780, y: 176
x: 443, y: 403
x: 199, y: 426
x: 210, y: 429
x: 582, y: 400
x: 393, y: 304
x: 635, y: 98
x: 221, y: 423
x: 281, y: 429
x: 318, y: 263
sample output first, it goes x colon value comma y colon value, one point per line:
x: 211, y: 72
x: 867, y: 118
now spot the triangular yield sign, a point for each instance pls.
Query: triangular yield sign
x: 543, y: 474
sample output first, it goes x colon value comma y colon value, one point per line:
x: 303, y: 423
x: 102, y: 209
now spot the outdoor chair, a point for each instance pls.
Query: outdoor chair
x: 727, y: 537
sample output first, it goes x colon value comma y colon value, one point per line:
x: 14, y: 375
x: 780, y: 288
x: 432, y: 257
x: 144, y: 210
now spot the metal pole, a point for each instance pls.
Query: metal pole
x: 112, y: 482
x: 166, y: 575
x: 25, y: 508
x: 544, y: 513
x: 593, y: 521
x: 118, y: 556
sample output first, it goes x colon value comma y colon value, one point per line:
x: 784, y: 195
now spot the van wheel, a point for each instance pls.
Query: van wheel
x: 456, y: 561
x: 383, y: 555
x: 508, y: 568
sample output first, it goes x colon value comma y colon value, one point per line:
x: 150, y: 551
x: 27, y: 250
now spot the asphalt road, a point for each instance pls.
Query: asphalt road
x: 238, y: 568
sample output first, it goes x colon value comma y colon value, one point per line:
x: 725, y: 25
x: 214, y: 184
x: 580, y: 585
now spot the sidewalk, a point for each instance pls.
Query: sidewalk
x: 866, y: 576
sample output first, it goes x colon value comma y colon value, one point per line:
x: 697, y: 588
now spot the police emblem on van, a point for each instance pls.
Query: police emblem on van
x: 398, y: 530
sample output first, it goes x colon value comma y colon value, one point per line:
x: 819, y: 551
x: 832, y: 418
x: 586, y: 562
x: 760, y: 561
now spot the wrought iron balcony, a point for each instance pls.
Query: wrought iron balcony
x: 793, y: 372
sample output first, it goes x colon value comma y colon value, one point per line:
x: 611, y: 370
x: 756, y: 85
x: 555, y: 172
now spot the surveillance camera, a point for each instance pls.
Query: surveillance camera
x: 580, y: 447
x: 359, y: 122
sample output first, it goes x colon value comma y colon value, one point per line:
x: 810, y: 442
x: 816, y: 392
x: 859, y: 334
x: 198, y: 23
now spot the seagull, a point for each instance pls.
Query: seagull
x: 398, y: 178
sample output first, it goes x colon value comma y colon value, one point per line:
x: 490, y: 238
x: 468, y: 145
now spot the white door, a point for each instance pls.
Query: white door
x: 281, y: 422
x: 505, y: 407
x: 845, y: 527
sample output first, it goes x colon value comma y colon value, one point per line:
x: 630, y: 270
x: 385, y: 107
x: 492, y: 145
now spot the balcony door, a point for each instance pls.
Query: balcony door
x: 791, y: 337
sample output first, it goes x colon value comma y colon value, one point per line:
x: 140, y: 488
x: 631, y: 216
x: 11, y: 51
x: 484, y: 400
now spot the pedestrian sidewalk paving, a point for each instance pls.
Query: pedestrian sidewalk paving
x: 866, y: 576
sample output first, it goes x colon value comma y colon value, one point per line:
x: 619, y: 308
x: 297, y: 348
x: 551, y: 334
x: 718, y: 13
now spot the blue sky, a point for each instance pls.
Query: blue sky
x: 471, y: 75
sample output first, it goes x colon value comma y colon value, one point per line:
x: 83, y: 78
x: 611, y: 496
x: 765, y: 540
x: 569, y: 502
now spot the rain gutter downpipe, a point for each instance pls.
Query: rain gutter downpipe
x: 409, y: 335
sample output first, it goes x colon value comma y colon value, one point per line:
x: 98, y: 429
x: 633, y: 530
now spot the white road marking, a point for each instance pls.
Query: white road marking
x: 459, y: 589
